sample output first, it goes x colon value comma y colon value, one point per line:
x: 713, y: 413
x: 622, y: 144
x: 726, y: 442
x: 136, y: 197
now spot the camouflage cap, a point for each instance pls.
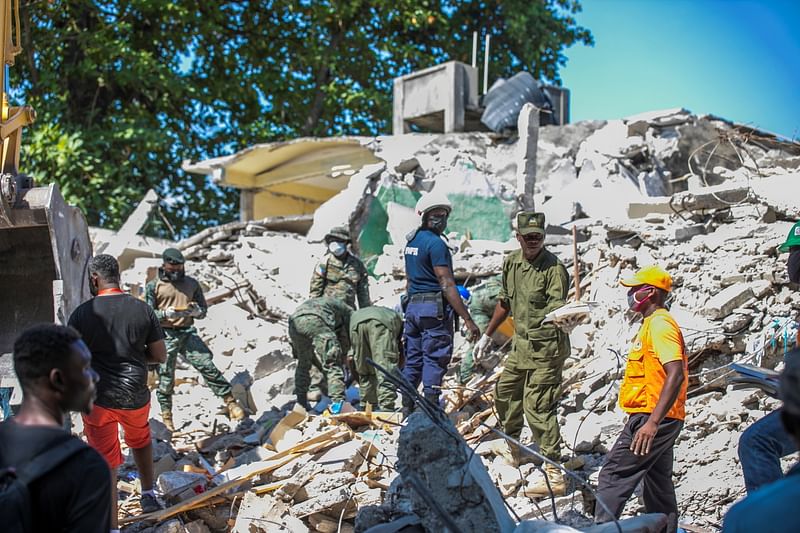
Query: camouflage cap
x: 173, y: 256
x: 339, y: 233
x: 530, y: 222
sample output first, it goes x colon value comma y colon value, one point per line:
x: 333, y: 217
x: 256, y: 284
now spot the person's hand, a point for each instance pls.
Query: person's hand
x: 570, y: 322
x: 473, y: 330
x: 643, y: 438
x: 482, y: 347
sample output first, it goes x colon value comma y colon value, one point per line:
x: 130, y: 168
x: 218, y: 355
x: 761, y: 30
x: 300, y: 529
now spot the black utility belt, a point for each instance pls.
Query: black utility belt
x: 426, y: 297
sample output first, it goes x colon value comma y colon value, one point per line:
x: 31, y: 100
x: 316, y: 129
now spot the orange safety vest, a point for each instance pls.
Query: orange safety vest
x: 644, y: 374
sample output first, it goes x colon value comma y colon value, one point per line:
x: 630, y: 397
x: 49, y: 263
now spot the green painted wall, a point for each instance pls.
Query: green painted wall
x: 483, y: 217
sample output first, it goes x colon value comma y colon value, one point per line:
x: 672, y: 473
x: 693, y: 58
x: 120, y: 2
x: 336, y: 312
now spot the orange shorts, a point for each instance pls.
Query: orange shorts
x: 102, y: 431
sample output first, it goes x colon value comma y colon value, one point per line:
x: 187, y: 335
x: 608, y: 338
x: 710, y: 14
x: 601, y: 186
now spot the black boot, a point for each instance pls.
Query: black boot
x: 432, y: 397
x: 408, y: 407
x: 302, y: 399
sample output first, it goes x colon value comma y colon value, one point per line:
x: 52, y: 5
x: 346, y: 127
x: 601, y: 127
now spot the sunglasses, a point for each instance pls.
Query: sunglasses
x: 533, y: 237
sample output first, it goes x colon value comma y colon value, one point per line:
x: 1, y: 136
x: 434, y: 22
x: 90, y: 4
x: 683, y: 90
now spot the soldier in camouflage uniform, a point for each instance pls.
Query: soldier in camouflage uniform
x: 177, y: 300
x: 482, y: 302
x: 341, y: 274
x: 318, y: 330
x: 534, y: 283
x: 375, y: 333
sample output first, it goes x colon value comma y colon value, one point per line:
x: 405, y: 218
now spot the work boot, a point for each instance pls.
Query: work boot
x: 302, y: 400
x: 149, y: 503
x: 537, y: 486
x: 408, y: 407
x: 235, y: 412
x: 166, y: 418
x: 433, y: 398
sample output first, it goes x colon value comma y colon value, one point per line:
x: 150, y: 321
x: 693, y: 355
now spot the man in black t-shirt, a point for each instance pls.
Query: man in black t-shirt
x: 53, y: 367
x: 124, y: 337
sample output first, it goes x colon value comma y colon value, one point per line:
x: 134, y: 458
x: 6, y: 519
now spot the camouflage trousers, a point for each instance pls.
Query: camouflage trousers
x: 533, y: 393
x: 371, y: 340
x: 187, y: 342
x: 314, y: 343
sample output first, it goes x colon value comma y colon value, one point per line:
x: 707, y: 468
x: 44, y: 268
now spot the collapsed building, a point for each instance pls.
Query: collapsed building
x: 707, y: 199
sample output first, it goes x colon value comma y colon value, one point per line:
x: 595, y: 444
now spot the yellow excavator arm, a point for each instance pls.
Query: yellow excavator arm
x: 12, y: 119
x: 44, y: 243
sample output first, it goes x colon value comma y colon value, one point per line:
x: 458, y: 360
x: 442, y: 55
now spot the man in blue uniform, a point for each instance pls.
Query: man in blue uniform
x: 433, y: 301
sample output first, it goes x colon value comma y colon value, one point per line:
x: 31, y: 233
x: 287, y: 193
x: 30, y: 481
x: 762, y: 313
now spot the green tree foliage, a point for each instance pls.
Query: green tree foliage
x: 127, y: 89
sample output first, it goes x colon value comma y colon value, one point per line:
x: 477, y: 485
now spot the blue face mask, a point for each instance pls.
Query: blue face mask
x: 337, y: 248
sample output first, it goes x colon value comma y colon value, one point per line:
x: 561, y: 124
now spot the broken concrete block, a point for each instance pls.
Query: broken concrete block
x: 649, y: 206
x: 197, y: 526
x: 686, y: 233
x: 406, y: 165
x: 179, y: 486
x: 159, y: 431
x: 507, y: 477
x: 369, y: 497
x: 345, y: 457
x: 264, y: 514
x: 736, y: 322
x: 322, y: 483
x: 165, y: 464
x: 217, y: 256
x: 725, y: 301
x: 761, y: 288
x: 170, y: 526
x: 220, y: 236
x: 325, y: 524
x: 323, y: 502
x: 289, y: 469
x: 716, y: 197
x: 292, y: 486
x: 459, y: 483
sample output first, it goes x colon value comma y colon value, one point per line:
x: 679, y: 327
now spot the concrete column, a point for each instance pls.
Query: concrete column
x: 398, y: 120
x: 246, y: 205
x: 454, y: 107
x: 528, y: 128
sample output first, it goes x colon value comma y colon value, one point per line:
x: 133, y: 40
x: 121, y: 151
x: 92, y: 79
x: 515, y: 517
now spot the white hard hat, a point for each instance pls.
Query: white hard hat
x: 432, y: 200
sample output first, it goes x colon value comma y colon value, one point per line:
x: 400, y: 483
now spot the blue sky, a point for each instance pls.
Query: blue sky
x: 733, y: 58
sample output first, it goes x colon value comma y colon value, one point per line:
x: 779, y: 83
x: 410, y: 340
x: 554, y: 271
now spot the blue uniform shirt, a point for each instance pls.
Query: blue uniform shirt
x: 425, y: 251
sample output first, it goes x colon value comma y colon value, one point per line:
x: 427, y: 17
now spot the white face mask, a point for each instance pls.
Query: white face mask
x: 337, y: 248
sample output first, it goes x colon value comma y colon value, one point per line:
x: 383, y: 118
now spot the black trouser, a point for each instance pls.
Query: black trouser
x: 623, y: 471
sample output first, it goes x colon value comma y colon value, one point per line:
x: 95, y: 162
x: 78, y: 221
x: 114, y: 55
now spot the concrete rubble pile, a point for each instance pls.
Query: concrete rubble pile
x: 705, y: 199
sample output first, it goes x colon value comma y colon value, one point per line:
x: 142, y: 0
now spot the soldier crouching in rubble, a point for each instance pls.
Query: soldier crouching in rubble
x: 318, y: 330
x: 376, y: 332
x: 534, y: 283
x: 341, y: 274
x: 177, y: 300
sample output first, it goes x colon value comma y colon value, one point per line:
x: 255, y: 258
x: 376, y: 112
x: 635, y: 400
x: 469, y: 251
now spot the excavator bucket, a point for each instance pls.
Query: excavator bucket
x: 44, y: 251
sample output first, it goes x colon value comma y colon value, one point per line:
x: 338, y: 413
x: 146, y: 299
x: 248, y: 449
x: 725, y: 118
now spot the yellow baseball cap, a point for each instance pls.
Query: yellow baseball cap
x: 652, y: 275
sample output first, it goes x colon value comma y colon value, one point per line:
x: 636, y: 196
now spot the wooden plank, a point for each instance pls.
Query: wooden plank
x: 258, y: 468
